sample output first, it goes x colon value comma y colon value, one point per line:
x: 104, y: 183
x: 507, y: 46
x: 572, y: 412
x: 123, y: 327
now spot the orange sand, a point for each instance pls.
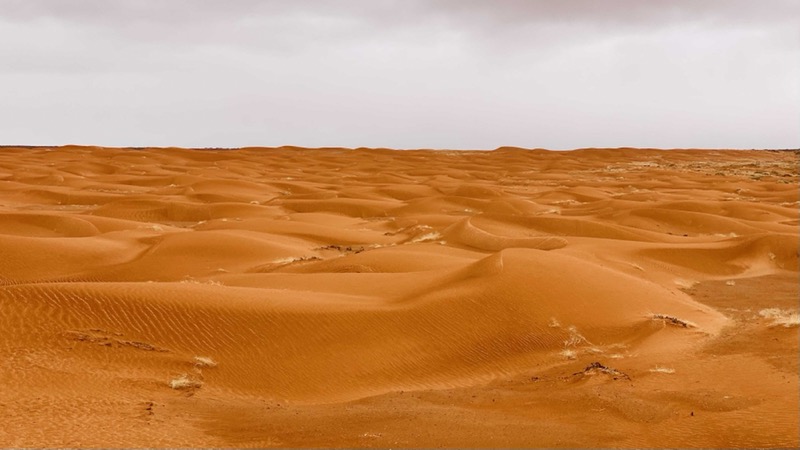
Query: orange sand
x: 333, y: 297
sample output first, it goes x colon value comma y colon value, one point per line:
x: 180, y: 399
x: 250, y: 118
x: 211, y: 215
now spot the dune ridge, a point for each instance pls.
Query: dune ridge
x: 370, y: 297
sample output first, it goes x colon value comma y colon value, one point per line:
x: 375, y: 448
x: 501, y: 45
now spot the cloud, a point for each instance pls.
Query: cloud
x: 401, y: 73
x: 288, y: 28
x: 497, y: 15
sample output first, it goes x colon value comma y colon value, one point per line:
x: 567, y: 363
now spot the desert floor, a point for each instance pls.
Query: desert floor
x: 332, y: 297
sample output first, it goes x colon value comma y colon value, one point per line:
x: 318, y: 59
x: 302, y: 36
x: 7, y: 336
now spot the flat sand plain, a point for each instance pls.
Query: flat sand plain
x: 333, y: 297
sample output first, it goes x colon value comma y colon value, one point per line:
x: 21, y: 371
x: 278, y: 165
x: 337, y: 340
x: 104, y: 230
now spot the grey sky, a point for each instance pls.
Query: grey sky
x: 403, y: 73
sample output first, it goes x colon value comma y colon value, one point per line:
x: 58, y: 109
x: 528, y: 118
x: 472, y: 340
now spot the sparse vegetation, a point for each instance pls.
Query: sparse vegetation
x: 597, y: 367
x: 569, y: 353
x: 672, y: 320
x: 192, y: 280
x: 574, y: 338
x: 293, y: 259
x: 344, y: 248
x: 184, y: 382
x: 685, y: 284
x: 204, y: 361
x: 427, y: 237
x: 781, y: 317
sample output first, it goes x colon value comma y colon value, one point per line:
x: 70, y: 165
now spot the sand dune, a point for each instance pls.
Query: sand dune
x: 334, y: 297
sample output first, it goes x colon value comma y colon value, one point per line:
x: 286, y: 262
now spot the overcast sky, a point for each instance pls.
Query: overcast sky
x: 405, y: 73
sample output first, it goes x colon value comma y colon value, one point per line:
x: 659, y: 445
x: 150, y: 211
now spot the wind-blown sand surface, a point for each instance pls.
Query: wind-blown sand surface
x: 331, y: 297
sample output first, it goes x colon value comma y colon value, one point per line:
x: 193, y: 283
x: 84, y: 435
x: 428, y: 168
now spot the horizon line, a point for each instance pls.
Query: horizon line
x: 298, y: 147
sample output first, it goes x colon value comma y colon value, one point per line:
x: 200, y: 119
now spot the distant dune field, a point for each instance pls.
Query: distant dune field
x: 375, y: 298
